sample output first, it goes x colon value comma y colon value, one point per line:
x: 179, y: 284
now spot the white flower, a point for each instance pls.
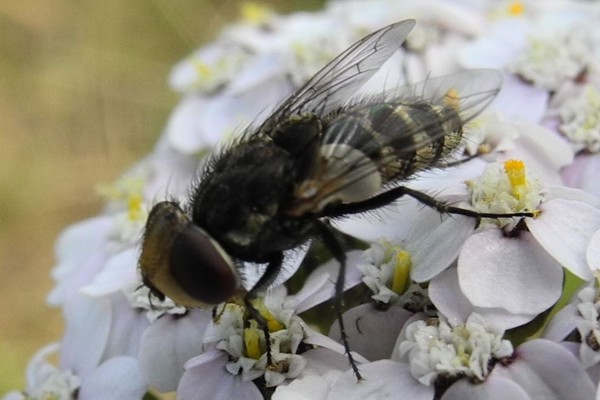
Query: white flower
x: 464, y: 350
x: 480, y: 277
x: 581, y: 119
x: 119, y: 376
x: 553, y: 57
x: 236, y: 350
x: 581, y: 315
x: 567, y: 218
x: 583, y: 173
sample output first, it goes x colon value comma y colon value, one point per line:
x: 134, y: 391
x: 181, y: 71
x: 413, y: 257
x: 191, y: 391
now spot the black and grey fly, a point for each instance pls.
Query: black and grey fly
x: 323, y: 154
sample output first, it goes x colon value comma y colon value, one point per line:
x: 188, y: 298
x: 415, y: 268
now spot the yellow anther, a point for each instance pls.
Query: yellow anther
x: 252, y: 341
x: 204, y: 70
x: 272, y: 323
x: 516, y: 8
x: 401, y: 277
x: 255, y: 13
x: 134, y: 207
x: 515, y: 171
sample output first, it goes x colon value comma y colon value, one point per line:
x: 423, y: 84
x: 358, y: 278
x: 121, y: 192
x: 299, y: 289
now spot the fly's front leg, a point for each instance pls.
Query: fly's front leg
x: 332, y: 244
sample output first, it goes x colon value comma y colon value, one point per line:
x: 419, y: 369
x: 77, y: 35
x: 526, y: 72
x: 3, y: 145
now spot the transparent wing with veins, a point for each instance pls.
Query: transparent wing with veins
x: 335, y: 84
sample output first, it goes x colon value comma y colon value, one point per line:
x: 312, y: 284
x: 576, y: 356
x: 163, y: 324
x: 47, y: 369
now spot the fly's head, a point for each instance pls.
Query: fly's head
x: 182, y: 261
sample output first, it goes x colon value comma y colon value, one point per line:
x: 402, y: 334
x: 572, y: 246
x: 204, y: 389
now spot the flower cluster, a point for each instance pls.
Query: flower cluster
x: 436, y: 306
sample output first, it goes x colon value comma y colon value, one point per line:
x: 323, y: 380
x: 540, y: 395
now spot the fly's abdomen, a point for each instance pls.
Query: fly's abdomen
x: 400, y: 139
x: 364, y: 149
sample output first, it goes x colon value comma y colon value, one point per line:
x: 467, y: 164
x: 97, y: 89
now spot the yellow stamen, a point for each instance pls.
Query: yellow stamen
x: 515, y: 170
x: 204, y: 70
x: 401, y: 278
x: 592, y: 119
x: 134, y: 206
x: 255, y: 13
x: 272, y: 323
x: 252, y: 341
x: 516, y: 9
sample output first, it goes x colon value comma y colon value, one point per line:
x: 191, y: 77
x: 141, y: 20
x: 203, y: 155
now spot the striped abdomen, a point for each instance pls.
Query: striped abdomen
x: 400, y: 138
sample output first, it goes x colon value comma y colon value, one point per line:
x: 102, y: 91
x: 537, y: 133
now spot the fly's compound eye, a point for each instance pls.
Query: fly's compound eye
x: 183, y: 262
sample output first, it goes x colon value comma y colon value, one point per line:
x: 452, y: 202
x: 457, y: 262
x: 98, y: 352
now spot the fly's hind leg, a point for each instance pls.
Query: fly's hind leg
x: 386, y: 198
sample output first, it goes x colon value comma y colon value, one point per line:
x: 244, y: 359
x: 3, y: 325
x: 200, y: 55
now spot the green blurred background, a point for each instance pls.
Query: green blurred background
x: 83, y: 95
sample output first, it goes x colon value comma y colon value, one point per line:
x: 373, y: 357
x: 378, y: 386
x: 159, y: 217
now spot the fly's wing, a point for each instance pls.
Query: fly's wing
x: 378, y: 140
x: 333, y: 85
x: 470, y: 91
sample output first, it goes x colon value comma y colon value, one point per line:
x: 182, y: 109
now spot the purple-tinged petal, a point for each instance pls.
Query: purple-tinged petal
x: 520, y: 102
x: 583, y: 173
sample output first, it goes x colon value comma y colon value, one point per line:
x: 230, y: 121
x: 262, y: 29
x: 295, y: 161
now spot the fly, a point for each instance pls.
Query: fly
x: 321, y: 155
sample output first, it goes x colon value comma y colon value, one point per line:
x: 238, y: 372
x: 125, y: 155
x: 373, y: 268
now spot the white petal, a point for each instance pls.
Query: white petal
x: 562, y: 324
x: 545, y: 370
x: 119, y: 376
x: 320, y: 285
x: 321, y: 360
x: 311, y: 387
x: 593, y: 252
x: 127, y: 327
x: 320, y: 340
x: 564, y: 230
x: 435, y: 252
x: 80, y: 250
x: 514, y: 274
x: 494, y: 388
x: 365, y: 322
x: 119, y: 272
x: 507, y: 38
x: 521, y: 102
x: 88, y: 324
x: 168, y: 343
x: 206, y: 378
x: 183, y: 128
x: 39, y: 369
x: 446, y: 295
x: 383, y: 379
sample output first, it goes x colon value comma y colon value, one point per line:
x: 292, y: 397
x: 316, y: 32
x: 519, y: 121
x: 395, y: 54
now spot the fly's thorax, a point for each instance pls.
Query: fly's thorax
x: 240, y: 203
